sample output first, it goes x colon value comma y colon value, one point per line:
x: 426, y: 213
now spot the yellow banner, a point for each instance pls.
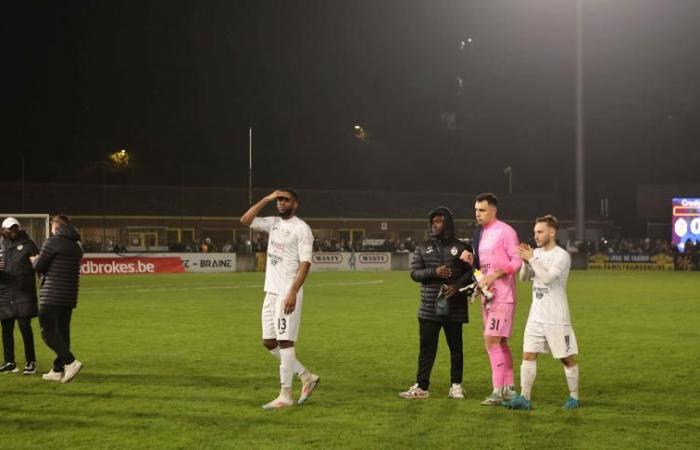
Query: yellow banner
x: 600, y: 261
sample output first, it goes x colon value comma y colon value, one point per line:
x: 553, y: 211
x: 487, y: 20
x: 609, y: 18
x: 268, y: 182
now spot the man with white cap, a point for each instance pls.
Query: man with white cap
x: 18, y: 299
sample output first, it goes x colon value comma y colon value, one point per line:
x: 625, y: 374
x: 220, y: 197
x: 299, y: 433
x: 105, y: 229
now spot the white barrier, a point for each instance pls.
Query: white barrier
x: 208, y: 262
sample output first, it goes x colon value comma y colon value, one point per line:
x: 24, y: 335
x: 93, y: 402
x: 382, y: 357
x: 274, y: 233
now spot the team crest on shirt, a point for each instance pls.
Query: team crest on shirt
x: 454, y: 251
x: 20, y: 247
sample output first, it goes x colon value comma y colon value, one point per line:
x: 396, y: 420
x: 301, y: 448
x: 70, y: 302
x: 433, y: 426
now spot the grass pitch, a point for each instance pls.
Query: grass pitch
x: 176, y: 362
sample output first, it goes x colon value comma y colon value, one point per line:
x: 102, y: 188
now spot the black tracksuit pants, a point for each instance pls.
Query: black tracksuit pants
x: 55, y: 329
x: 429, y: 336
x: 8, y: 338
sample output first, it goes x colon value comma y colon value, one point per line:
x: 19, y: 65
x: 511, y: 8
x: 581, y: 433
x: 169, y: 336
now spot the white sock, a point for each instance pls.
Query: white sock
x: 298, y: 368
x: 498, y: 390
x: 287, y: 358
x: 528, y: 372
x: 572, y: 380
x: 286, y: 393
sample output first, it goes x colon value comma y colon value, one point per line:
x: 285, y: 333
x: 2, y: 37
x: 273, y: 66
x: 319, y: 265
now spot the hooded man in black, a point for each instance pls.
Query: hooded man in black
x: 442, y: 274
x: 18, y: 301
x: 58, y: 264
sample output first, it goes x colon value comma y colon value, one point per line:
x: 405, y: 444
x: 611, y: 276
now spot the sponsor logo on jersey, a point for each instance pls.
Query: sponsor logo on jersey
x: 277, y: 245
x: 540, y: 292
x: 367, y: 258
x: 333, y: 258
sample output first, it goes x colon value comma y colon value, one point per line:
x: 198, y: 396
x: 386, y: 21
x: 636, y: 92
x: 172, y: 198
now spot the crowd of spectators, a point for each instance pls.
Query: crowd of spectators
x: 334, y: 245
x: 406, y: 245
x: 637, y: 246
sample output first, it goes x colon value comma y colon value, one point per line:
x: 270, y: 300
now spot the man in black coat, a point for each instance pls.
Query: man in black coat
x: 18, y: 301
x: 437, y: 267
x: 58, y: 264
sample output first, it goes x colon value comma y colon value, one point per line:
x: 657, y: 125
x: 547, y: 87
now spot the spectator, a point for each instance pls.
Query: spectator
x: 208, y: 246
x: 402, y: 249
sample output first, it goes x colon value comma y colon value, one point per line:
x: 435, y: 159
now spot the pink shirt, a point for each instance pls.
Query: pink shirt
x: 498, y: 249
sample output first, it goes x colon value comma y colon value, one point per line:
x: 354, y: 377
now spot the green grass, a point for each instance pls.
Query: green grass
x: 176, y: 362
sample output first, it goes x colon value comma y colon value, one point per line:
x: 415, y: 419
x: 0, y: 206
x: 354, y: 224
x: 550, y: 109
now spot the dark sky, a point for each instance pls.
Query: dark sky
x: 177, y: 83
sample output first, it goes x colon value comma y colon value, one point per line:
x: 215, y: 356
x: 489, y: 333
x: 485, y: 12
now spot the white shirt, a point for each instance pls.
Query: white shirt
x: 290, y: 243
x: 550, y: 270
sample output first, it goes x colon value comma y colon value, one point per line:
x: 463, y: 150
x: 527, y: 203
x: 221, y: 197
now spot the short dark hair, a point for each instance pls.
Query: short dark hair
x: 291, y: 191
x: 550, y: 220
x: 61, y: 218
x: 488, y: 197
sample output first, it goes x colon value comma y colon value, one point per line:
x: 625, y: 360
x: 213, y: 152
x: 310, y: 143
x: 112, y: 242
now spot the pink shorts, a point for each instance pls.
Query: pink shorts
x: 498, y: 318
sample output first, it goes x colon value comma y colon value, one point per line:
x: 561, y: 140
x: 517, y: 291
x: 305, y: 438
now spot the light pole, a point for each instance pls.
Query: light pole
x: 250, y: 183
x: 580, y: 198
x: 509, y: 171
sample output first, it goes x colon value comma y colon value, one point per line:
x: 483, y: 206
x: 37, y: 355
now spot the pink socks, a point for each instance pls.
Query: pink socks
x: 501, y: 365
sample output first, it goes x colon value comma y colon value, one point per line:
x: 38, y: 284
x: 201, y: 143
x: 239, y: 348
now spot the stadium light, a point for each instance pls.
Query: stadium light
x: 119, y: 159
x: 360, y: 132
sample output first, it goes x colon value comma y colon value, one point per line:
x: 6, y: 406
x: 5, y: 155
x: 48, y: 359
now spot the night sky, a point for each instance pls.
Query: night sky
x: 177, y: 84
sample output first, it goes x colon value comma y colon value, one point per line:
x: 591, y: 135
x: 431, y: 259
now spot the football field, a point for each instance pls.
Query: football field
x: 175, y: 361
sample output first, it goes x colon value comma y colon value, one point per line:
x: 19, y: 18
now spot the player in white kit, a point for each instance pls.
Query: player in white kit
x: 289, y: 250
x: 548, y: 328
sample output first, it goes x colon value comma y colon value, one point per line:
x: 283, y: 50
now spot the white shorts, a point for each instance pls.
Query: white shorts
x: 559, y: 340
x: 275, y: 323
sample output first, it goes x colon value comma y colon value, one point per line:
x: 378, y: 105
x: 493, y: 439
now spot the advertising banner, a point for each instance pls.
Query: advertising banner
x: 208, y: 262
x: 617, y: 261
x: 130, y: 265
x: 133, y: 263
x: 346, y: 261
x: 686, y: 222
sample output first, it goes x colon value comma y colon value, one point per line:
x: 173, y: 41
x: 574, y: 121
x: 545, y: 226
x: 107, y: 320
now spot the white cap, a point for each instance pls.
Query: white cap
x: 10, y: 222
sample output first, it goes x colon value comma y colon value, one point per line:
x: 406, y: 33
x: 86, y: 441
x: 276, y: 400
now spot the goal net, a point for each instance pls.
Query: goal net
x: 36, y: 225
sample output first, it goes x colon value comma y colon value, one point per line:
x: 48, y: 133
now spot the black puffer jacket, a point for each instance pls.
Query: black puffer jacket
x: 58, y: 265
x: 18, y: 280
x: 443, y: 250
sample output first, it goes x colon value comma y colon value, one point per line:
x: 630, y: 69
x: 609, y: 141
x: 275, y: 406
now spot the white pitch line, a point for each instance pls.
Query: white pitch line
x: 240, y: 286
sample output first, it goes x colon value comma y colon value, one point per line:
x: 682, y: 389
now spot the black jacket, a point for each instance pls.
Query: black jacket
x: 58, y: 265
x: 443, y: 250
x: 18, y: 280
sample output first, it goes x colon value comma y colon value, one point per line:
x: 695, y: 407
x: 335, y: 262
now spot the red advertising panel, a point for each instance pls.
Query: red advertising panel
x: 130, y: 265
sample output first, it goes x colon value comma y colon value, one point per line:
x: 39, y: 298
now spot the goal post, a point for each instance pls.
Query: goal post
x: 37, y: 226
